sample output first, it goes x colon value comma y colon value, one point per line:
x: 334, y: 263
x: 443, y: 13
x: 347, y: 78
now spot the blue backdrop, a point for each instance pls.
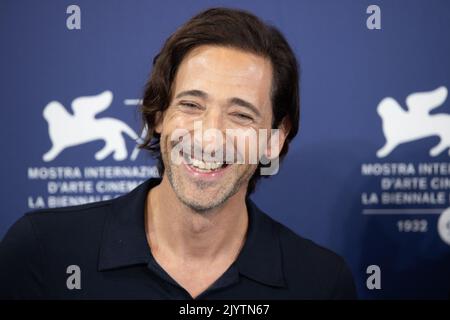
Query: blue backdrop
x: 332, y: 188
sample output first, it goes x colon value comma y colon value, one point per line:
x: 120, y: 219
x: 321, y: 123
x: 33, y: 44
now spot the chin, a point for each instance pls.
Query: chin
x: 201, y: 205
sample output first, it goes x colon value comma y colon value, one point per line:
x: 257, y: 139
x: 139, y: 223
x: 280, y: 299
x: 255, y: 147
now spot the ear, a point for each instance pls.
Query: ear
x: 276, y: 141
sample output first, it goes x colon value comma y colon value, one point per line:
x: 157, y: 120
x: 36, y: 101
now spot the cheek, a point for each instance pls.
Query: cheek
x: 173, y: 127
x: 178, y: 120
x: 253, y: 146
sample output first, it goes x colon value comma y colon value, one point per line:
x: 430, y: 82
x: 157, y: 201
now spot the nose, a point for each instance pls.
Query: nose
x: 213, y: 119
x: 213, y: 128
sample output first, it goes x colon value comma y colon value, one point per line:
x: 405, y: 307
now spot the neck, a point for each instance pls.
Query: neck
x: 175, y: 230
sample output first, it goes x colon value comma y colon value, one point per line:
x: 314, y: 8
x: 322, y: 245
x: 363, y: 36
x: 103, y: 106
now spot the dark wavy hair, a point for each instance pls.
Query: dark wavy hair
x: 229, y: 28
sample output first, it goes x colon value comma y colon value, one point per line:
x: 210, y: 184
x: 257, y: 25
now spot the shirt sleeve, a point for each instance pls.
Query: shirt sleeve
x: 21, y: 260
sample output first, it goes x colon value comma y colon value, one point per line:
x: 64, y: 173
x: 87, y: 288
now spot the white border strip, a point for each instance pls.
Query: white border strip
x: 401, y: 211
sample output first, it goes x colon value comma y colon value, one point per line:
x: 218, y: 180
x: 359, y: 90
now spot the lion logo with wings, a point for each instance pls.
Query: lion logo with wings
x: 401, y: 126
x: 71, y: 129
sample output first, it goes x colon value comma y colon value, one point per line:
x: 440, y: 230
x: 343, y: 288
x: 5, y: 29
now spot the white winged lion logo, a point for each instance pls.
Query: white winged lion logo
x: 401, y: 126
x: 68, y: 130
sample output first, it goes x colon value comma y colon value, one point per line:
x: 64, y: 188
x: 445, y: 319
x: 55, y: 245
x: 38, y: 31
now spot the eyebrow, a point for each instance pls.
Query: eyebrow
x: 195, y: 93
x: 234, y: 100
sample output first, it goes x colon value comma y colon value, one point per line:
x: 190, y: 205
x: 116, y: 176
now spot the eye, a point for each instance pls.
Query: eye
x: 189, y: 105
x: 243, y: 116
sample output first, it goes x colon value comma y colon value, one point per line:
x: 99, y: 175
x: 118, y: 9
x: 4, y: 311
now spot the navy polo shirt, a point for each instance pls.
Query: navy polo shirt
x: 104, y: 246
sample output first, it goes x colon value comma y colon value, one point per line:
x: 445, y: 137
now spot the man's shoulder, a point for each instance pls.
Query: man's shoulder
x: 298, y: 248
x: 42, y: 243
x: 68, y: 219
x: 301, y: 249
x: 69, y: 213
x: 53, y: 227
x: 307, y: 264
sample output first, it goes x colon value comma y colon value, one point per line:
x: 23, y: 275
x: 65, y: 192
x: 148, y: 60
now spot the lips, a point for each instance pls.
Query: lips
x: 205, y: 166
x: 201, y: 168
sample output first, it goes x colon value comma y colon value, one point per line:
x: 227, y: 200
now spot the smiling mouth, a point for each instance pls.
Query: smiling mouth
x: 201, y: 165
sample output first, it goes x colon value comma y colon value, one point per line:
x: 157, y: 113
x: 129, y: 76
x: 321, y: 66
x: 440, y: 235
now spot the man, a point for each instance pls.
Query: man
x: 195, y: 233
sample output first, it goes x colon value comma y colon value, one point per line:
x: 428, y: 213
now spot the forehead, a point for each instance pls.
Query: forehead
x: 222, y: 71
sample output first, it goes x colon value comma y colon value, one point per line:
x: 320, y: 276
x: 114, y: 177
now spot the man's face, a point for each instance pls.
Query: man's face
x: 217, y: 88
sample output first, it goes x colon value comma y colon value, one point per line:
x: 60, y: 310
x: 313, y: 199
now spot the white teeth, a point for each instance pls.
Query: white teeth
x: 207, y: 166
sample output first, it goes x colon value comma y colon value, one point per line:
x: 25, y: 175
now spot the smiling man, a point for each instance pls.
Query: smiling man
x: 220, y: 80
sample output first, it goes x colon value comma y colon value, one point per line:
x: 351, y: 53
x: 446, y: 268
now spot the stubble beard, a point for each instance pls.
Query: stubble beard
x: 217, y: 201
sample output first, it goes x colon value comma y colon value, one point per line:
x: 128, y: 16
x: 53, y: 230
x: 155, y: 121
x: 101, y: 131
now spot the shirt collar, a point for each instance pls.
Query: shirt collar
x: 124, y: 242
